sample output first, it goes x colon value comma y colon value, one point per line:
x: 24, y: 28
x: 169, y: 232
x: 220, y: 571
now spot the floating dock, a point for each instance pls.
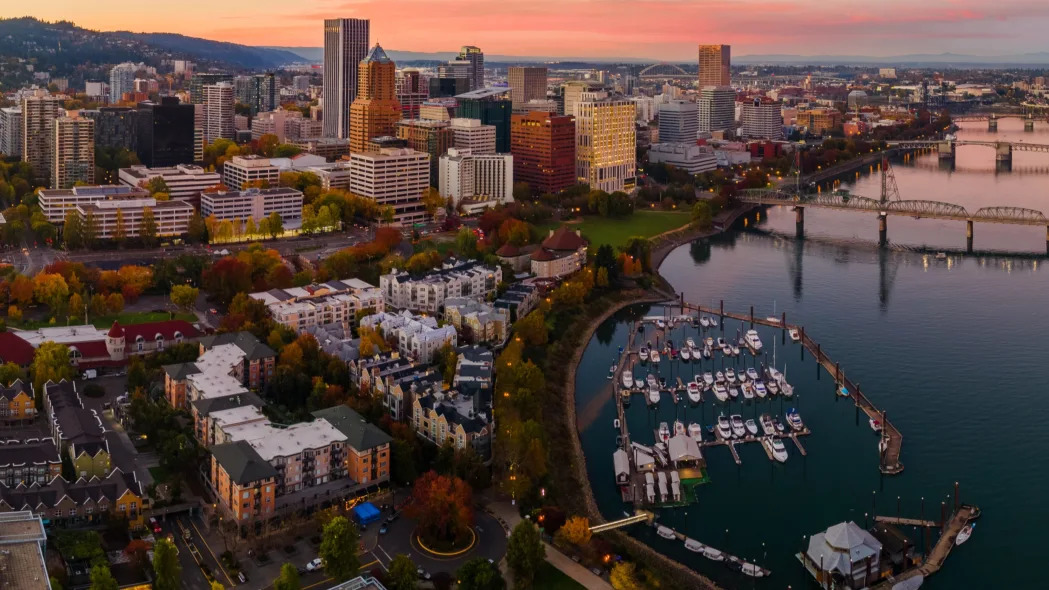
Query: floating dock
x: 732, y: 562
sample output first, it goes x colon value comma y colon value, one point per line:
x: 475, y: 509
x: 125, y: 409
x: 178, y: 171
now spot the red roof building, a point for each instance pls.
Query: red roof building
x: 562, y: 253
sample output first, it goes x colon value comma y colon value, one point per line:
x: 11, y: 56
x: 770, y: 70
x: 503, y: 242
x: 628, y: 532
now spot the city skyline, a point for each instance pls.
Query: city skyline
x: 621, y: 28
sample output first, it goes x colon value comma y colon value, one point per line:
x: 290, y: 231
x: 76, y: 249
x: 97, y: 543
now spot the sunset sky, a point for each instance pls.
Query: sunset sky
x: 658, y: 29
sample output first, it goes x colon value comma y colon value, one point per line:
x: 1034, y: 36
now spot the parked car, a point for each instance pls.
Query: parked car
x: 314, y: 565
x: 423, y: 574
x: 385, y: 527
x: 153, y: 524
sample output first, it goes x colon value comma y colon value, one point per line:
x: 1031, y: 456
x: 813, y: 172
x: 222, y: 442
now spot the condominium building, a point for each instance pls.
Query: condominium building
x: 11, y: 131
x: 606, y: 143
x: 17, y: 401
x: 121, y: 81
x: 418, y: 337
x: 345, y: 45
x: 259, y: 92
x: 334, y: 302
x: 39, y: 111
x: 199, y: 80
x: 170, y: 217
x: 86, y: 501
x: 717, y: 109
x: 492, y: 107
x: 526, y: 83
x: 434, y: 138
x: 55, y: 203
x: 678, y: 122
x: 167, y: 133
x: 715, y: 65
x: 471, y: 134
x: 28, y: 462
x: 543, y: 146
x: 228, y: 365
x: 477, y: 321
x: 393, y: 177
x: 573, y: 91
x: 254, y: 203
x: 217, y: 120
x: 74, y: 152
x: 185, y: 182
x: 476, y: 181
x: 375, y: 111
x: 78, y: 432
x: 691, y: 158
x: 819, y: 121
x: 427, y: 292
x: 241, y: 170
x: 646, y: 108
x: 412, y: 91
x: 761, y: 119
x: 475, y: 73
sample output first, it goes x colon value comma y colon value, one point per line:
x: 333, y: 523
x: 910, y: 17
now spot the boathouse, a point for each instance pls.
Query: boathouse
x: 622, y: 465
x: 683, y: 450
x: 844, y: 556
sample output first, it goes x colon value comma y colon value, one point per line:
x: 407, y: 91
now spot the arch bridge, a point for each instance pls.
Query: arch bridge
x: 664, y: 70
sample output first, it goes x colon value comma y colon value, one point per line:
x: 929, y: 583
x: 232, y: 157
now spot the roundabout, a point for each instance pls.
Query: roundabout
x: 452, y: 553
x: 487, y: 540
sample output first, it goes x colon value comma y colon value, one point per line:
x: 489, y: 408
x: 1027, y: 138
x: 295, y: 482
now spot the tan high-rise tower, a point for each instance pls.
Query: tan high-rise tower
x: 715, y: 65
x: 376, y: 109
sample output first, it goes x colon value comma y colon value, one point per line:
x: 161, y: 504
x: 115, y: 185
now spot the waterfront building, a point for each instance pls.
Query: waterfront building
x: 520, y: 298
x: 166, y: 133
x: 678, y: 122
x: 476, y: 321
x: 185, y: 182
x: 476, y: 181
x: 121, y: 81
x: 475, y: 73
x: 11, y: 131
x: 692, y: 158
x: 315, y: 305
x: 471, y: 134
x: 526, y: 83
x: 375, y: 111
x: 491, y: 107
x: 562, y: 253
x: 254, y: 203
x: 845, y: 556
x: 412, y: 91
x: 716, y: 109
x: 426, y: 293
x: 74, y: 152
x: 715, y: 65
x: 39, y: 111
x: 346, y: 43
x: 217, y: 121
x: 762, y: 118
x: 543, y: 146
x: 394, y: 177
x: 606, y: 142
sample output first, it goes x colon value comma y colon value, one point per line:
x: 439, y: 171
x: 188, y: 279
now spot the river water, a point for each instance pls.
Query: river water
x: 953, y: 350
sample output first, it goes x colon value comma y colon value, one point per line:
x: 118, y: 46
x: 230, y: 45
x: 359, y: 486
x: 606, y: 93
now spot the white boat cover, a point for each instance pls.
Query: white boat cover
x: 621, y: 463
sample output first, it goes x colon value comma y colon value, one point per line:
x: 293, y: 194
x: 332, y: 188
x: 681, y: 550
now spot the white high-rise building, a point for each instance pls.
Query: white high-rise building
x: 717, y: 109
x: 470, y: 134
x: 74, y: 152
x: 394, y: 177
x: 762, y: 119
x: 678, y: 122
x: 486, y: 179
x: 345, y: 45
x: 606, y: 142
x: 121, y: 80
x: 11, y: 131
x: 217, y: 120
x: 689, y: 157
x: 645, y: 108
x: 39, y: 111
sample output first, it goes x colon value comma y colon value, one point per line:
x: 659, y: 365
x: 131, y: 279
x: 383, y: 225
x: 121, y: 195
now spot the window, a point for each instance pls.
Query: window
x: 245, y: 495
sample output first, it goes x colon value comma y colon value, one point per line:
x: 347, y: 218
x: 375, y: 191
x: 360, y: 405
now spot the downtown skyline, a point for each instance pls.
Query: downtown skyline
x: 664, y: 30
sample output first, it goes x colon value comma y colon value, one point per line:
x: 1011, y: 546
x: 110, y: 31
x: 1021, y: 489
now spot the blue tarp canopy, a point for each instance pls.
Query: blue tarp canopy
x: 366, y: 513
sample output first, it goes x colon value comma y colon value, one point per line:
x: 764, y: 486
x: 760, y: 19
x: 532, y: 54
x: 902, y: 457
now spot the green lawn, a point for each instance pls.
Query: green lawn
x: 615, y: 232
x: 126, y: 318
x: 549, y: 577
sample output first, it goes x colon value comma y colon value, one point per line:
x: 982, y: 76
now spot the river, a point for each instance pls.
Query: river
x: 951, y: 349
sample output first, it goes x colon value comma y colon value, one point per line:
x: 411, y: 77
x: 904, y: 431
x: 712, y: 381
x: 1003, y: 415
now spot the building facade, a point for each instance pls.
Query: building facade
x: 418, y: 337
x: 819, y: 121
x: 471, y: 134
x: 426, y: 293
x: 526, y: 83
x: 121, y: 81
x: 375, y: 111
x: 678, y: 122
x: 11, y: 131
x: 492, y: 107
x: 394, y: 177
x: 487, y: 179
x: 126, y: 215
x: 715, y: 65
x: 17, y: 402
x: 543, y: 146
x: 39, y: 111
x: 185, y: 181
x: 166, y: 133
x: 239, y: 171
x: 562, y: 253
x: 55, y: 203
x: 346, y: 43
x: 115, y: 127
x: 475, y: 57
x: 218, y: 112
x: 413, y: 90
x: 254, y: 203
x: 762, y: 119
x: 334, y: 302
x: 717, y: 109
x: 74, y: 149
x: 692, y: 158
x: 606, y: 143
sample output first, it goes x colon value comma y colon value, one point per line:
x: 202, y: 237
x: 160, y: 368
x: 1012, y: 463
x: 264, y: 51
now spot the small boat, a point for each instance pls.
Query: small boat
x: 786, y: 389
x: 753, y: 341
x: 689, y: 342
x: 708, y: 353
x: 628, y: 379
x: 776, y: 448
x: 760, y: 390
x: 794, y: 419
x: 752, y: 373
x: 672, y: 353
x: 696, y: 432
x: 713, y: 322
x: 719, y: 377
x: 751, y: 426
x: 730, y: 375
x: 773, y: 387
x: 615, y: 423
x: 654, y: 356
x: 664, y: 432
x: 724, y: 427
x: 694, y: 545
x: 882, y: 445
x: 733, y: 392
x: 738, y: 429
x: 713, y: 554
x: 773, y: 374
x: 726, y: 350
x: 773, y: 320
x: 619, y: 440
x: 686, y: 354
x: 643, y: 353
x: 612, y: 372
x: 704, y: 322
x: 735, y: 350
x: 943, y: 256
x: 662, y: 382
x: 965, y: 533
x: 843, y: 391
x: 742, y: 376
x: 679, y: 428
x: 875, y: 425
x: 721, y: 342
x: 780, y: 428
x: 653, y: 395
x: 652, y: 381
x: 794, y: 334
x: 708, y: 379
x: 748, y: 391
x: 664, y: 532
x: 720, y: 392
x: 766, y: 425
x: 661, y: 324
x: 752, y: 570
x: 694, y: 392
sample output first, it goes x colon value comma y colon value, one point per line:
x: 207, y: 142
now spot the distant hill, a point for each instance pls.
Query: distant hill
x: 244, y: 56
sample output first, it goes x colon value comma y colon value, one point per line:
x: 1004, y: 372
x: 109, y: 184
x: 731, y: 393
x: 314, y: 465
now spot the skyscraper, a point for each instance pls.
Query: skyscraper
x: 11, y: 131
x: 715, y: 63
x: 39, y: 111
x: 606, y: 142
x: 475, y: 56
x: 412, y: 92
x: 258, y: 92
x: 543, y: 145
x: 218, y: 112
x: 453, y: 78
x: 572, y: 90
x: 678, y: 122
x: 165, y: 133
x: 199, y: 81
x: 345, y: 45
x: 526, y: 83
x: 717, y: 109
x: 74, y: 149
x: 121, y: 80
x: 492, y: 107
x: 375, y: 111
x: 762, y: 118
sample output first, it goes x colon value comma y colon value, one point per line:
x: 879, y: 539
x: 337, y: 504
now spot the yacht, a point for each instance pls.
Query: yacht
x: 724, y: 428
x: 753, y: 341
x: 664, y: 432
x: 775, y: 447
x: 794, y: 334
x: 713, y: 322
x: 742, y: 376
x: 708, y: 353
x: 964, y: 534
x: 679, y: 428
x: 794, y: 419
x: 694, y: 545
x: 730, y: 375
x: 843, y: 391
x: 664, y: 532
x: 759, y: 389
x: 720, y: 392
x: 686, y: 353
x: 752, y: 570
x: 774, y: 374
x: 726, y: 350
x: 652, y: 381
x: 708, y: 379
x: 661, y: 324
x: 653, y: 395
x: 767, y: 426
x: 694, y: 392
x: 752, y: 373
x: 721, y: 342
x: 733, y: 392
x: 751, y: 426
x: 738, y: 429
x: 719, y: 377
x: 748, y: 391
x: 708, y: 342
x: 643, y: 353
x: 615, y: 423
x: 689, y: 342
x: 786, y: 389
x: 628, y: 379
x: 654, y: 356
x: 696, y: 432
x: 780, y: 428
x: 735, y: 350
x: 704, y: 322
x: 713, y: 554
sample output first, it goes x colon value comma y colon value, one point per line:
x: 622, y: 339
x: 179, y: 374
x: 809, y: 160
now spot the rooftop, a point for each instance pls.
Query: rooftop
x: 360, y: 434
x: 242, y: 462
x: 22, y: 560
x: 483, y: 93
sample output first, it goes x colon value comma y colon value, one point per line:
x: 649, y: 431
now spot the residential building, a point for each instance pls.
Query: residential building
x: 678, y: 122
x: 462, y: 415
x: 345, y: 45
x: 115, y: 127
x: 244, y: 482
x: 543, y: 146
x: 471, y: 134
x: 218, y: 112
x: 453, y: 78
x: 476, y: 181
x: 56, y: 203
x: 254, y: 203
x: 87, y: 501
x: 492, y: 107
x: 239, y: 171
x: 11, y: 131
x: 375, y: 111
x: 526, y: 83
x: 412, y: 91
x: 717, y: 109
x: 166, y: 133
x: 185, y: 182
x: 77, y: 432
x: 258, y: 92
x: 646, y: 109
x: 761, y: 118
x: 431, y: 137
x: 476, y: 321
x: 519, y: 299
x: 334, y: 302
x: 366, y: 447
x: 228, y: 364
x: 475, y: 73
x: 418, y: 337
x: 258, y: 360
x: 17, y: 402
x: 563, y: 252
x: 96, y: 91
x: 426, y: 293
x: 819, y: 121
x: 211, y: 415
x: 715, y: 65
x: 572, y: 92
x: 606, y: 143
x: 691, y: 158
x: 28, y: 462
x: 282, y: 123
x: 121, y: 81
x: 198, y: 81
x: 24, y: 544
x: 39, y: 111
x: 845, y: 556
x: 394, y: 177
x: 74, y: 152
x: 438, y: 109
x: 171, y: 218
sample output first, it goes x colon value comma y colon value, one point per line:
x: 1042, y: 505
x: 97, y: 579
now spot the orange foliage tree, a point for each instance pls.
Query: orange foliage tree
x: 443, y: 507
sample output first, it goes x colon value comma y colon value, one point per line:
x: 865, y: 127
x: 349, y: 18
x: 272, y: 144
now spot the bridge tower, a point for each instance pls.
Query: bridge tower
x: 992, y: 123
x: 945, y: 150
x: 968, y: 236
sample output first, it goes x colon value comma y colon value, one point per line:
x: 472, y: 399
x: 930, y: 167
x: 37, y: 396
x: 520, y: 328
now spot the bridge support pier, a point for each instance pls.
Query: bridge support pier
x: 1028, y: 125
x: 799, y: 223
x: 992, y: 124
x: 1047, y: 240
x: 1003, y: 156
x: 969, y: 236
x: 945, y: 149
x: 883, y: 229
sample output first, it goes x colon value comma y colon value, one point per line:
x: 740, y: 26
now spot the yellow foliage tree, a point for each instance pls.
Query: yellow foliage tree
x: 623, y: 577
x: 575, y: 531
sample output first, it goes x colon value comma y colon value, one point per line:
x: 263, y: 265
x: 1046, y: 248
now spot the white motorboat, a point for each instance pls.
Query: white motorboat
x: 652, y: 381
x: 721, y: 342
x: 726, y: 350
x: 643, y: 353
x: 774, y: 374
x: 766, y: 425
x: 875, y: 425
x: 794, y: 334
x: 730, y: 375
x: 752, y: 570
x: 794, y: 419
x: 965, y: 533
x: 773, y: 387
x: 686, y: 353
x: 713, y: 554
x: 654, y: 356
x: 628, y: 379
x: 695, y: 431
x: 780, y: 428
x: 735, y: 350
x: 719, y: 377
x: 708, y: 342
x: 775, y: 448
x: 724, y: 427
x: 748, y: 391
x: 751, y: 426
x: 760, y: 390
x: 720, y: 392
x: 708, y: 379
x: 738, y: 429
x: 733, y: 392
x: 713, y: 322
x: 694, y: 393
x: 742, y: 376
x: 615, y: 423
x: 752, y: 373
x: 653, y: 395
x: 664, y: 432
x: 612, y: 371
x: 708, y: 353
x: 753, y: 341
x: 679, y: 428
x: 694, y: 545
x: 689, y: 342
x: 661, y: 324
x: 704, y: 322
x: 882, y: 445
x: 773, y: 320
x: 664, y: 532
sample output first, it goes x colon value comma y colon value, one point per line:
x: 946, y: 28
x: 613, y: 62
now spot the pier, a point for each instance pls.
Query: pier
x: 935, y: 559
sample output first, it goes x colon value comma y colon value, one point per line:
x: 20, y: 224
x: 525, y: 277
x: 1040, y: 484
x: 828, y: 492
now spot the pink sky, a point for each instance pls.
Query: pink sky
x: 658, y: 29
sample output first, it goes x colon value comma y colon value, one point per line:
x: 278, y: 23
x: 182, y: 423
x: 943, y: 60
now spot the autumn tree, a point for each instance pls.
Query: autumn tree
x: 50, y: 289
x: 90, y: 230
x: 443, y: 508
x: 148, y: 228
x: 575, y: 531
x: 115, y: 303
x: 184, y: 296
x: 466, y: 243
x: 73, y: 231
x: 525, y: 553
x: 9, y: 373
x: 166, y: 566
x: 276, y: 224
x: 267, y: 143
x: 22, y: 290
x: 624, y: 577
x: 338, y: 551
x: 371, y: 342
x: 119, y: 228
x: 402, y: 573
x: 433, y: 201
x: 197, y: 230
x: 76, y: 307
x: 479, y: 574
x: 532, y: 329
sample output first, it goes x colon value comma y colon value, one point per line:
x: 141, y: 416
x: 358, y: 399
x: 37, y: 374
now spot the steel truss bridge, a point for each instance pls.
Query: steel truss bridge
x: 1013, y: 146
